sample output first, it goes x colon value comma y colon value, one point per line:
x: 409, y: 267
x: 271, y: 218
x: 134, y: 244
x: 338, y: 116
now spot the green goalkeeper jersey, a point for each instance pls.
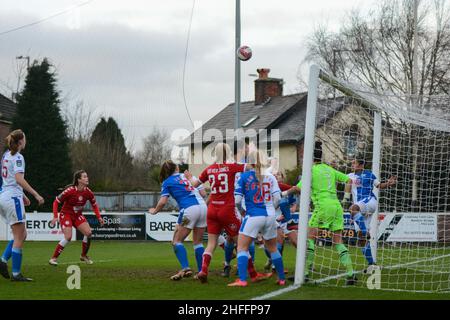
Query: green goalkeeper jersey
x: 323, y: 184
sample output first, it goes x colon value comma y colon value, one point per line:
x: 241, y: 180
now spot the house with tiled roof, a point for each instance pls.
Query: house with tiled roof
x: 287, y: 113
x: 7, y: 112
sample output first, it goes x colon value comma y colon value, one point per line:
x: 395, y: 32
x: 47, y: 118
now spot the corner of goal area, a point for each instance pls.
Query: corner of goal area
x: 277, y: 293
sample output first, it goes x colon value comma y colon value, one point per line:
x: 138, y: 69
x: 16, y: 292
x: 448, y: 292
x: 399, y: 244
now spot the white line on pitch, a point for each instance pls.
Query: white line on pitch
x: 294, y: 287
x: 277, y: 292
x: 81, y: 262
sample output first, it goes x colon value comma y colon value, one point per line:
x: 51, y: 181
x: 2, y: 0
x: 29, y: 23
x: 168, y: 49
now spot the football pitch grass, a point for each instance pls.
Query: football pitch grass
x: 141, y: 270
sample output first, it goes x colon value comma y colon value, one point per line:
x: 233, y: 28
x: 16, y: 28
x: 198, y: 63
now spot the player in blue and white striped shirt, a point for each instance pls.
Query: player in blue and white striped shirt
x: 262, y: 195
x: 365, y: 202
x: 192, y: 214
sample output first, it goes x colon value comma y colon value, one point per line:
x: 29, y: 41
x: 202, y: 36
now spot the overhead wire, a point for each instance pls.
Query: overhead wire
x: 185, y: 62
x: 45, y: 19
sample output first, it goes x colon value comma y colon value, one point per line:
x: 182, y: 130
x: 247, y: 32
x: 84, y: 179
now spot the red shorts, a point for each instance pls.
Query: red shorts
x: 223, y: 217
x: 69, y: 220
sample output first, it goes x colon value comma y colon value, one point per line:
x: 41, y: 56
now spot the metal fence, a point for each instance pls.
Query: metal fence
x: 130, y: 201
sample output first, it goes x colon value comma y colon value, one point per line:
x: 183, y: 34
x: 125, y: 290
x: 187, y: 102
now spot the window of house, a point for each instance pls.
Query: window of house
x: 351, y: 140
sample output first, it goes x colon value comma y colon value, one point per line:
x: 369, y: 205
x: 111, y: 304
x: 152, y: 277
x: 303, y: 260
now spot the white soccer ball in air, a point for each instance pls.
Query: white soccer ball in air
x: 244, y: 53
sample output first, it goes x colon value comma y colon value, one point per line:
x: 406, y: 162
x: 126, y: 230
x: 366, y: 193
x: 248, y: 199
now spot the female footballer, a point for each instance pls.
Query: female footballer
x: 73, y: 200
x: 192, y: 215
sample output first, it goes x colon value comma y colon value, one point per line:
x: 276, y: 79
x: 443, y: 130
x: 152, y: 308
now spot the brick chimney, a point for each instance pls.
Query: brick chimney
x: 266, y: 87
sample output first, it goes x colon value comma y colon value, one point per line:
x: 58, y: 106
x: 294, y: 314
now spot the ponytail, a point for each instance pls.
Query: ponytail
x: 167, y: 169
x: 13, y: 139
x: 258, y: 159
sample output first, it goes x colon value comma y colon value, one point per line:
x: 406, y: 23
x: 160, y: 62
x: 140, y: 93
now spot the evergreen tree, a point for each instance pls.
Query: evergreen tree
x: 48, y: 166
x: 113, y: 166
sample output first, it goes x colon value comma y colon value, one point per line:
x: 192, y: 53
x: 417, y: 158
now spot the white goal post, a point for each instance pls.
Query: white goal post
x: 405, y: 137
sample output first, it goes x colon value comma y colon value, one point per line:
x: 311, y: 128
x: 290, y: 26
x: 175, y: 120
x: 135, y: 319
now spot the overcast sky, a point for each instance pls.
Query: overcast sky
x: 125, y: 58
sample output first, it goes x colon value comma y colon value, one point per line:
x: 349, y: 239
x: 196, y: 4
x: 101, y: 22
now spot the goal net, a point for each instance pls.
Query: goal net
x: 400, y: 240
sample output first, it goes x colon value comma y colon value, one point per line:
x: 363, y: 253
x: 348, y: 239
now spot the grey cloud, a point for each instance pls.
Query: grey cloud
x: 136, y: 76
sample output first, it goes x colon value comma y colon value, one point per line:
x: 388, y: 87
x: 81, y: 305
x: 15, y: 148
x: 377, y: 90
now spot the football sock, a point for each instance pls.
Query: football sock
x: 86, y: 244
x: 242, y: 260
x: 309, y: 256
x: 199, y: 250
x: 251, y: 250
x: 278, y: 263
x: 229, y: 248
x: 59, y: 248
x: 16, y: 261
x: 8, y: 251
x: 344, y: 257
x: 251, y: 267
x: 180, y: 252
x: 206, y: 261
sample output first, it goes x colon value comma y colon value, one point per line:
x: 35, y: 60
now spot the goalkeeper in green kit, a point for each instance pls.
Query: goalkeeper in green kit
x: 328, y: 212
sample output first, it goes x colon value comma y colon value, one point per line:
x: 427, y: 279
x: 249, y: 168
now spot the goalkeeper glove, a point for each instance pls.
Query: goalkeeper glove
x: 346, y: 200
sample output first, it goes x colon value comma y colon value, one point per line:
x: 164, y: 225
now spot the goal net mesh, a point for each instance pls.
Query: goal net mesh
x: 411, y: 233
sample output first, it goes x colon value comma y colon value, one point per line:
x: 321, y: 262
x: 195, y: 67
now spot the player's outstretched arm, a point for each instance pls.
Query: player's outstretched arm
x: 194, y: 182
x: 238, y: 203
x: 389, y: 183
x: 25, y: 185
x: 161, y: 203
x: 276, y: 198
x: 292, y: 190
x: 203, y: 193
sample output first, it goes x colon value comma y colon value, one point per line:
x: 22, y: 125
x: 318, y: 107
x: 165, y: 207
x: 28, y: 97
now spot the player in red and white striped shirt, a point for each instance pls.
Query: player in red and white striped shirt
x: 73, y: 200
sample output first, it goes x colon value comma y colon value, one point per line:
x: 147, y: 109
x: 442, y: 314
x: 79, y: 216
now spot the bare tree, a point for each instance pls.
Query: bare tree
x: 156, y: 148
x: 81, y: 120
x: 9, y: 89
x: 377, y: 49
x: 146, y: 163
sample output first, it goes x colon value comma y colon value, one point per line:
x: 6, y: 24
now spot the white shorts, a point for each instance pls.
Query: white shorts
x: 267, y: 225
x: 193, y: 217
x: 367, y: 206
x: 282, y: 225
x: 12, y: 209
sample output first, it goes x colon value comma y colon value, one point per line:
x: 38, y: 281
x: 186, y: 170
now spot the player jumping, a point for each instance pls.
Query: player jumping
x: 328, y: 212
x: 365, y: 203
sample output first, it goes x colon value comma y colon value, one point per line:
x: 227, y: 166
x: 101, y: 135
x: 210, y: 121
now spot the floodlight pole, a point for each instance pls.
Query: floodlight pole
x: 237, y: 68
x: 14, y: 95
x: 415, y: 76
x: 25, y: 58
x: 414, y: 99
